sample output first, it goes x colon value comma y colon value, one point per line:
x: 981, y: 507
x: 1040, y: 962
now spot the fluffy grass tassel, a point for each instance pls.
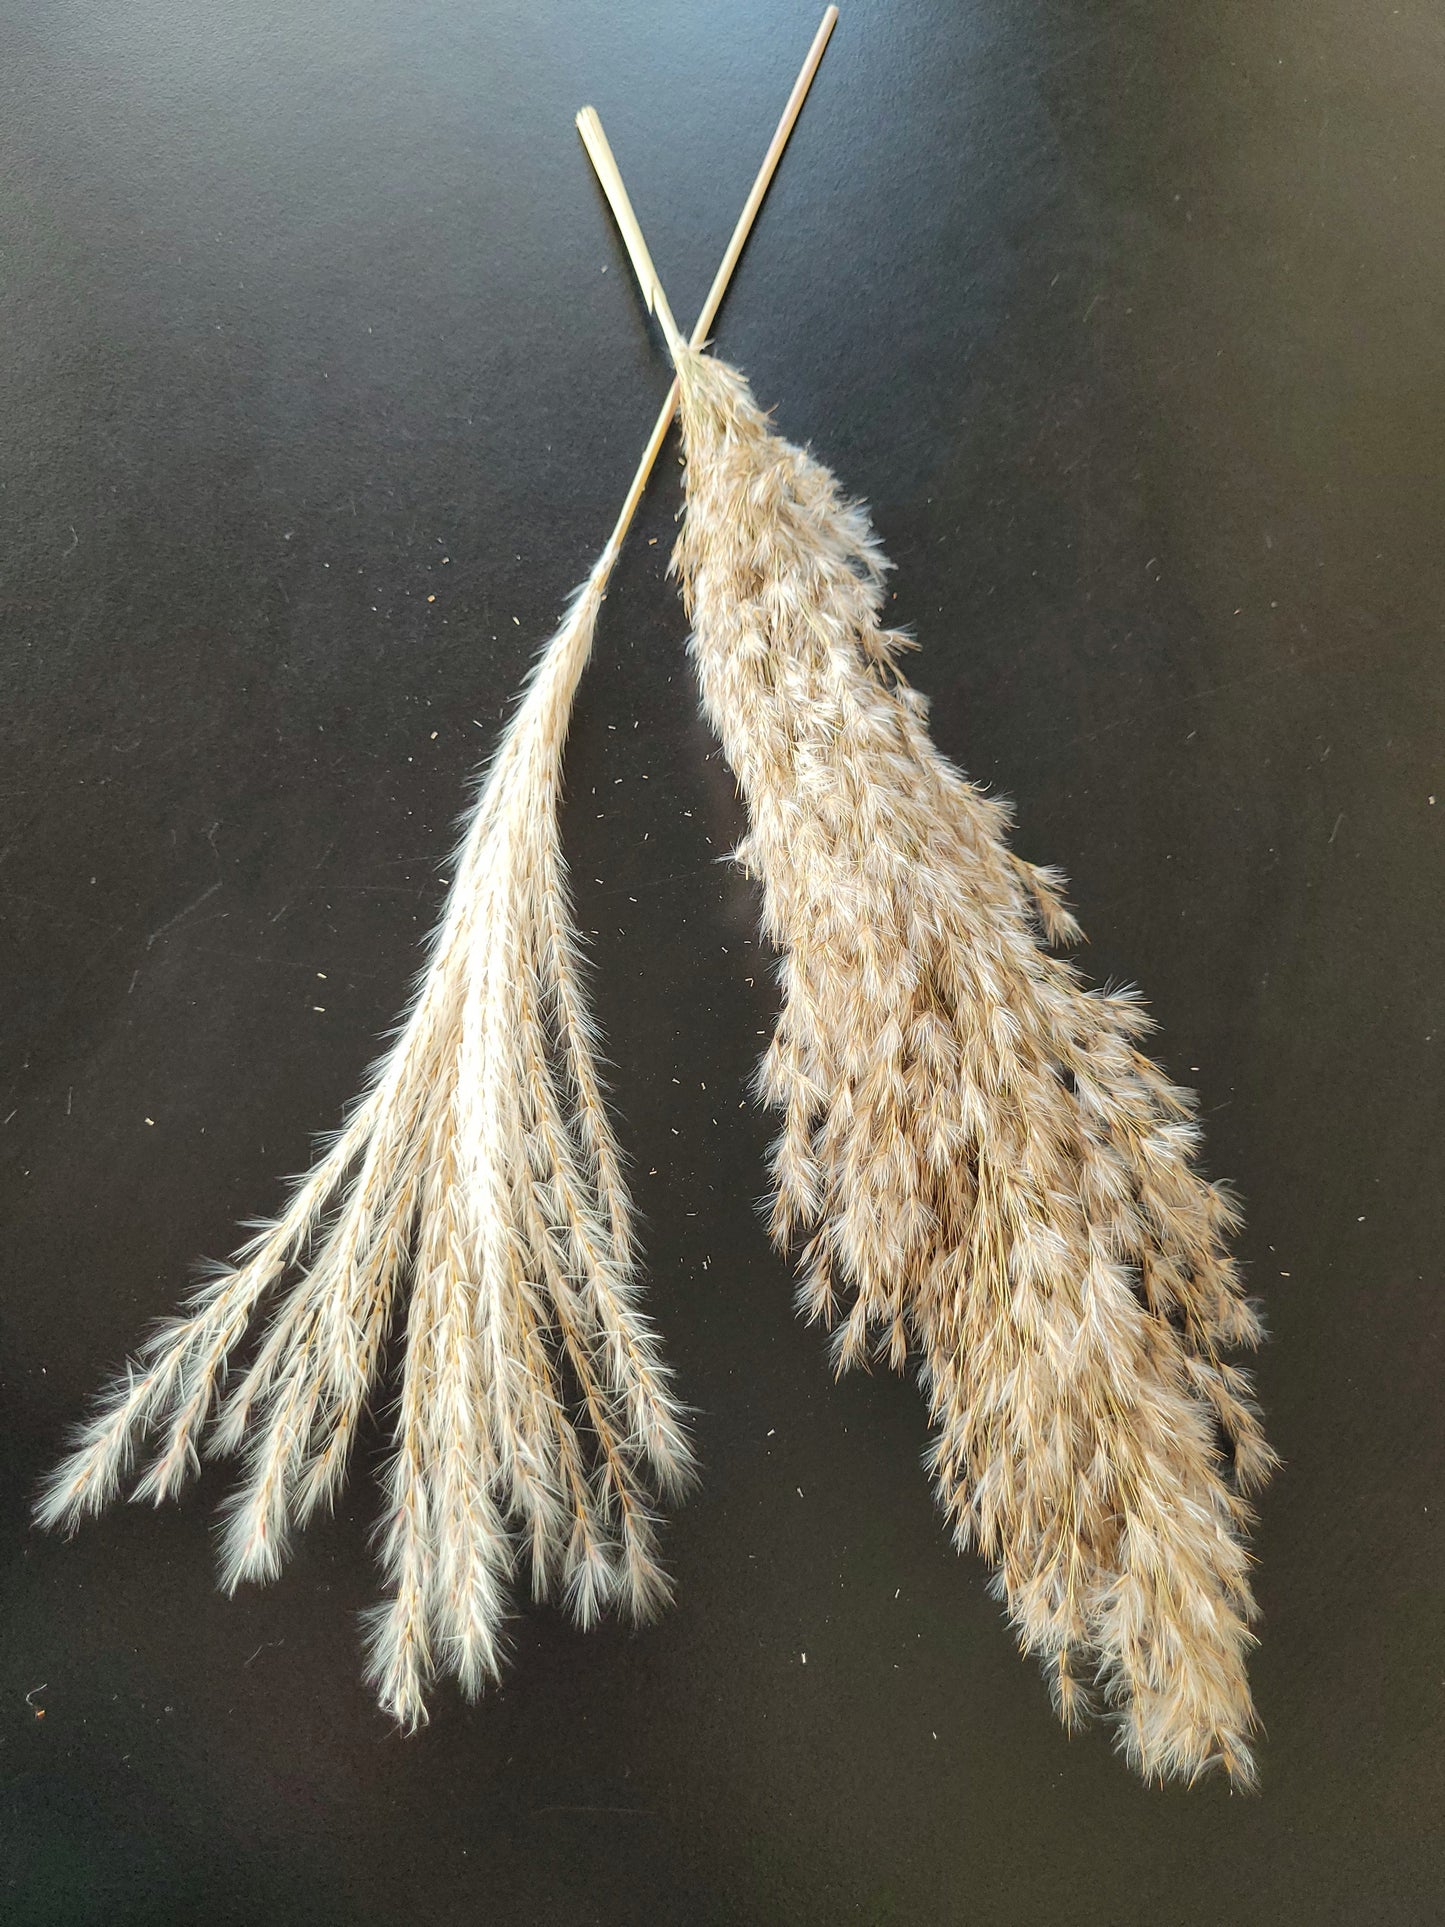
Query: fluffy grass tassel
x: 535, y: 1414
x: 983, y: 1169
x: 535, y: 1419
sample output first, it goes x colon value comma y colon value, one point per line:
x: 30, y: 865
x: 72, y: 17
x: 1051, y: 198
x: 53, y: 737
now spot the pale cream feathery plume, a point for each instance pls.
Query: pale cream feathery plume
x: 535, y: 1417
x: 982, y: 1165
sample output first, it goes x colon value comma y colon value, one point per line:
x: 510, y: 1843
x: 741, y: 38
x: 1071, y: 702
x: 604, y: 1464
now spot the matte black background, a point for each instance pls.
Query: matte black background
x: 1127, y: 318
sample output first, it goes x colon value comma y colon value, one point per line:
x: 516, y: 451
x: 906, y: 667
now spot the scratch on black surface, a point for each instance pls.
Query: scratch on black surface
x: 195, y: 904
x: 320, y: 862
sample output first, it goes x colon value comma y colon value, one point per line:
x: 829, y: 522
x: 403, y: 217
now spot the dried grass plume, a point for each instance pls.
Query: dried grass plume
x: 982, y: 1167
x: 480, y: 1174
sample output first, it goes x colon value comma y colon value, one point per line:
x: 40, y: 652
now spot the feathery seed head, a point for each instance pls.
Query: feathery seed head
x: 973, y: 1149
x: 481, y: 1172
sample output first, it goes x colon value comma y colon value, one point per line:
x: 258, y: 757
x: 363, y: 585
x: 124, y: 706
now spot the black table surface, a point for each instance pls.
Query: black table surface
x: 323, y: 376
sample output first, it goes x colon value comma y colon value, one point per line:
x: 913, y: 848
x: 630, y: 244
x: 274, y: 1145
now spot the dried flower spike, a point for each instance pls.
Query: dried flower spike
x: 983, y: 1167
x: 535, y: 1417
x: 482, y: 1167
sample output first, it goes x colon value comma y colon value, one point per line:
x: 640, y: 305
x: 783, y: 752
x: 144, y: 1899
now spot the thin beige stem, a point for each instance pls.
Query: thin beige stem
x: 765, y: 174
x: 604, y: 163
x: 609, y: 179
x: 733, y: 253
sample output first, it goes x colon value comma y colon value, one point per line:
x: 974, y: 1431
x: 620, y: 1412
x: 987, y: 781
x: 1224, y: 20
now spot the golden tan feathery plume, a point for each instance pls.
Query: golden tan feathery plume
x: 983, y: 1168
x: 535, y: 1417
